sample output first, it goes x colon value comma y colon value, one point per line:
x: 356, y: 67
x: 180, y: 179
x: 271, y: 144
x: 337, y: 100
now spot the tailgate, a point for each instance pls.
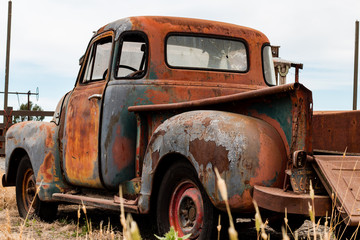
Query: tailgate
x: 340, y: 175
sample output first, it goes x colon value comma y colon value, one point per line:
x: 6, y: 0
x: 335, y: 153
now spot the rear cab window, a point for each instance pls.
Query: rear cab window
x: 205, y: 52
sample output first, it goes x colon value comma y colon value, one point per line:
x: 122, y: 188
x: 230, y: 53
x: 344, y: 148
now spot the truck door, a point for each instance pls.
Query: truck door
x: 82, y: 122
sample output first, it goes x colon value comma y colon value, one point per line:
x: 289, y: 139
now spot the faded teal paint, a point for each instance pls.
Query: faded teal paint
x: 119, y: 123
x: 279, y: 109
x: 152, y: 73
x: 131, y: 188
x: 271, y: 182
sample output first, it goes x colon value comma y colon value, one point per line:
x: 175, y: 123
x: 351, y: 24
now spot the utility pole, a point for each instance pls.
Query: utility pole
x: 356, y: 64
x: 7, y: 56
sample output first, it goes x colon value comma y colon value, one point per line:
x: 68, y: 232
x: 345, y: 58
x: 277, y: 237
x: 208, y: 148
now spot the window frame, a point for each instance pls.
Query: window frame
x: 119, y: 50
x: 88, y: 53
x: 220, y: 37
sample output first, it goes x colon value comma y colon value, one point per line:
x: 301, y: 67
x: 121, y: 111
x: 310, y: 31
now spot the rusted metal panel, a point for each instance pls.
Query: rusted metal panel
x: 39, y: 141
x: 288, y: 108
x: 81, y: 138
x: 81, y: 162
x: 288, y: 111
x: 246, y: 150
x: 276, y: 199
x: 335, y: 131
x: 341, y: 176
x: 96, y: 202
x: 216, y: 100
x: 119, y: 126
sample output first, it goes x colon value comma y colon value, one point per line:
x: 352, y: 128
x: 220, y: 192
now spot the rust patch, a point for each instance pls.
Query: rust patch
x: 336, y: 131
x: 45, y: 170
x: 81, y: 136
x: 49, y: 142
x: 271, y: 167
x: 207, y: 152
x: 206, y: 122
x: 157, y: 134
x: 276, y: 125
x: 120, y: 150
x: 155, y: 157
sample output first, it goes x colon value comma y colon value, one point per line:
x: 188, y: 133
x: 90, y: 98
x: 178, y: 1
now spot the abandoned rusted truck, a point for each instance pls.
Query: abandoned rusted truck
x: 158, y: 104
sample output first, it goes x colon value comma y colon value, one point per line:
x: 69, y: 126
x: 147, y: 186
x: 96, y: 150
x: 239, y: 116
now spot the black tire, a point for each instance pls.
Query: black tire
x: 183, y: 203
x: 26, y: 191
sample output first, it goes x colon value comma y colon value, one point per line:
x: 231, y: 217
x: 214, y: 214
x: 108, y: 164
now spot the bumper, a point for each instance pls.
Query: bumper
x: 275, y: 199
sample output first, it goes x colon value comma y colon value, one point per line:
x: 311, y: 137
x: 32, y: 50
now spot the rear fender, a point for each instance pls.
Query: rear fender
x: 39, y: 141
x: 246, y: 151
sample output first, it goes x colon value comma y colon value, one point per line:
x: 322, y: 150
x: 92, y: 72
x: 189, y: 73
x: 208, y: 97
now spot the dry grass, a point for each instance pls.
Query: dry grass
x: 74, y: 222
x: 63, y: 228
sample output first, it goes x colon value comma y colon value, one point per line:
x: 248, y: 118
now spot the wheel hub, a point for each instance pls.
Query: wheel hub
x: 29, y: 190
x: 192, y: 214
x: 186, y: 210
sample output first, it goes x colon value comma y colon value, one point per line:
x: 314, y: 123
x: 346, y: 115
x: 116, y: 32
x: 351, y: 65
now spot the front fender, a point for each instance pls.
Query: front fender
x: 247, y: 152
x: 39, y: 141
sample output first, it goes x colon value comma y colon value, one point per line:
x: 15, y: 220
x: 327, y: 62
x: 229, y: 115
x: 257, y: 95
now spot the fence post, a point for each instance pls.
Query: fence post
x: 8, y: 121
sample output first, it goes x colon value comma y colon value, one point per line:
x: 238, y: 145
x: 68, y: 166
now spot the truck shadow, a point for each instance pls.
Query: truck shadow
x: 245, y: 227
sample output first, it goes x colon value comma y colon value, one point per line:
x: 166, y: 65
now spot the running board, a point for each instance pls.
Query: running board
x: 129, y: 205
x: 276, y: 199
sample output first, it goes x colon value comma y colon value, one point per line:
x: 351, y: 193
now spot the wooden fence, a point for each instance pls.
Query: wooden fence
x: 8, y: 117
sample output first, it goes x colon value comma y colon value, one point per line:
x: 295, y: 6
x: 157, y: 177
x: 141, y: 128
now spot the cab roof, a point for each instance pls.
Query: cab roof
x: 158, y: 24
x: 157, y: 29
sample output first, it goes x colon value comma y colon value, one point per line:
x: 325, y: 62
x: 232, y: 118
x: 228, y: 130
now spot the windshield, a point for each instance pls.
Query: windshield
x: 206, y: 53
x: 268, y: 66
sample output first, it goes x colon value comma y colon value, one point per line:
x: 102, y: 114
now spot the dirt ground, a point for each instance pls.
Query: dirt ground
x: 104, y: 224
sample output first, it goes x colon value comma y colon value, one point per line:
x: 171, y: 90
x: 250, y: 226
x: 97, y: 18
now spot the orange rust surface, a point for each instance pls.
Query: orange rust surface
x: 271, y: 166
x: 81, y: 135
x: 215, y: 154
x: 336, y: 131
x: 122, y: 157
x: 49, y: 142
x: 46, y: 172
x: 276, y: 125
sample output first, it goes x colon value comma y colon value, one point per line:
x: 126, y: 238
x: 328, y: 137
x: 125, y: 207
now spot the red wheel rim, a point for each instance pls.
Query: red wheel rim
x: 28, y: 190
x: 186, y: 209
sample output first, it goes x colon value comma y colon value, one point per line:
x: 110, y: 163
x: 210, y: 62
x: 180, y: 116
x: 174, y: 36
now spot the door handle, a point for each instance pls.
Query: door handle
x: 97, y: 96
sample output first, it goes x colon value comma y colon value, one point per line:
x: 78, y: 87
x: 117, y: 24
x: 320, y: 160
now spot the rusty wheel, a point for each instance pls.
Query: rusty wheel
x: 26, y: 198
x: 28, y: 191
x: 183, y: 204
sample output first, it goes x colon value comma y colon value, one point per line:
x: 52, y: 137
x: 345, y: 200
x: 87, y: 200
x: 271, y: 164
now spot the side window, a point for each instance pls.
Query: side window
x: 98, y: 60
x: 132, y: 59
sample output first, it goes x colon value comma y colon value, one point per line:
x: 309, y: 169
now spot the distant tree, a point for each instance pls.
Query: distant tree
x: 33, y: 107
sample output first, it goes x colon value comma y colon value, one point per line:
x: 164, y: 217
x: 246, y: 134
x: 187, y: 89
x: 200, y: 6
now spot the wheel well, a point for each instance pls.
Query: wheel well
x: 163, y: 165
x: 13, y: 165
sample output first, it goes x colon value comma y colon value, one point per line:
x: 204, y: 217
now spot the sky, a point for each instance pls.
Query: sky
x: 48, y: 38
